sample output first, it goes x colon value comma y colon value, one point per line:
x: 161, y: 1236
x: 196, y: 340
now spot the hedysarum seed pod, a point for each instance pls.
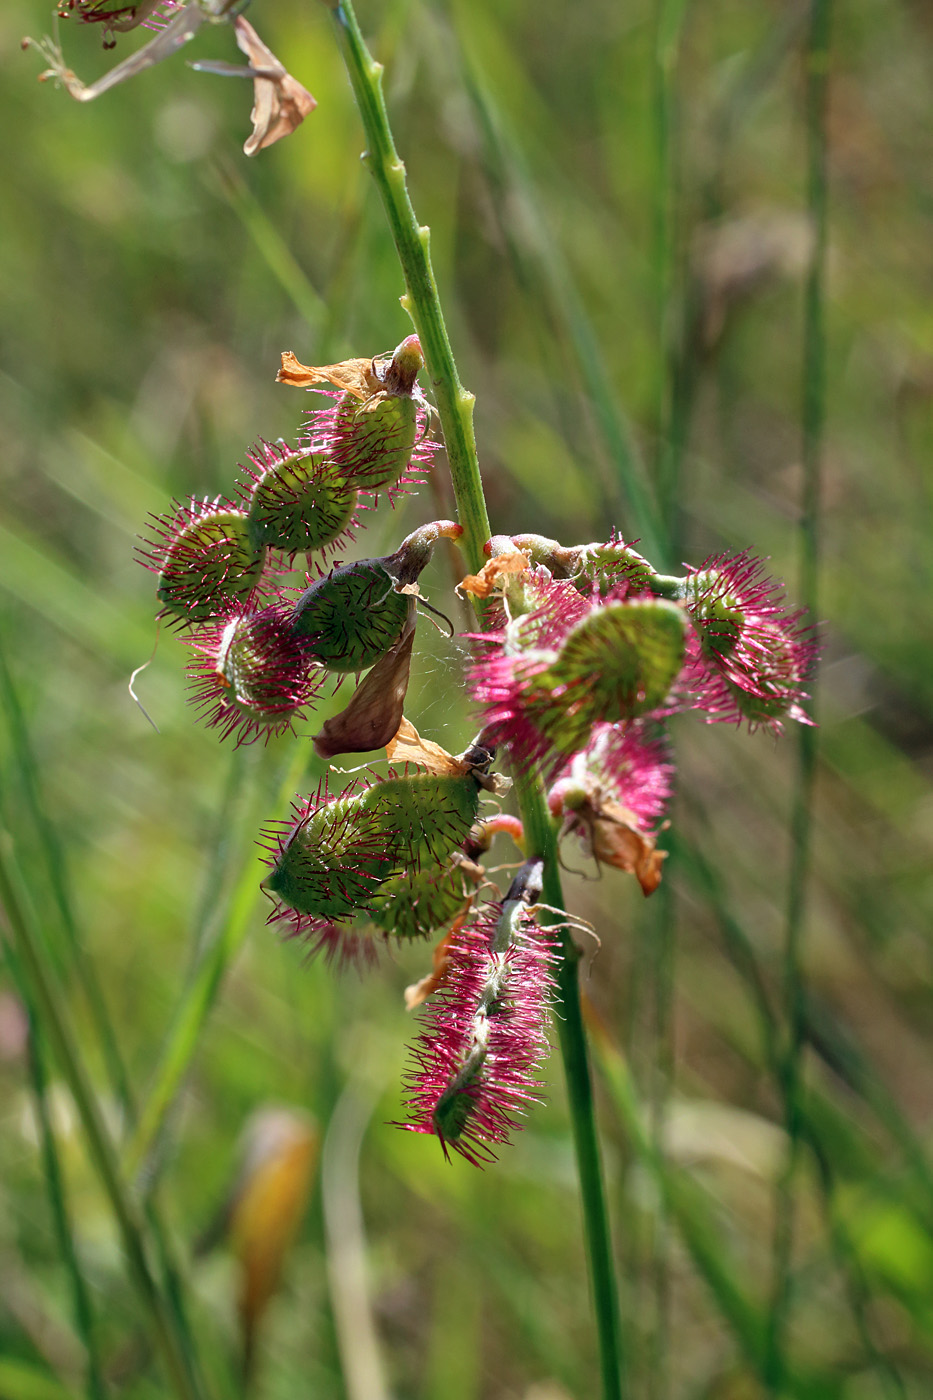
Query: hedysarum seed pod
x: 352, y: 616
x: 371, y: 440
x: 330, y: 863
x: 252, y: 675
x: 298, y: 501
x: 425, y: 816
x: 204, y: 559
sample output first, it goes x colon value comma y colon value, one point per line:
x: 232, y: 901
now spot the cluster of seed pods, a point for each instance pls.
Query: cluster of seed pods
x: 588, y: 653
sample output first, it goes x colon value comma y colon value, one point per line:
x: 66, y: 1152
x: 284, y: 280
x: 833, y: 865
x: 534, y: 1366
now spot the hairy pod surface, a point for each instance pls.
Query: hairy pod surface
x: 205, y: 560
x: 301, y: 504
x: 352, y: 616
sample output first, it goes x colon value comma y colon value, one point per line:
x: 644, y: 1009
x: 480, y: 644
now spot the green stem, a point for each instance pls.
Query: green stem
x: 413, y: 244
x: 455, y: 409
x: 812, y: 418
x: 540, y: 840
x: 45, y: 996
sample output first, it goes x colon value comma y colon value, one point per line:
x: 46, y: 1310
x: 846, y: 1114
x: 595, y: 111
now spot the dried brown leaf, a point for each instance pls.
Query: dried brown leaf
x: 280, y: 103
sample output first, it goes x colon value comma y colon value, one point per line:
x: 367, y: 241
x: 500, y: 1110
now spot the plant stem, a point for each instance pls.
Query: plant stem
x: 455, y: 408
x: 52, y: 1014
x: 413, y: 244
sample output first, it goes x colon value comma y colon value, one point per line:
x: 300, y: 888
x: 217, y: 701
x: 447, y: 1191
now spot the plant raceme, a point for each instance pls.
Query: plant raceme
x: 587, y: 652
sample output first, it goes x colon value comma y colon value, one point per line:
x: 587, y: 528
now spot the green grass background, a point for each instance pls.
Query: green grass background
x: 617, y: 197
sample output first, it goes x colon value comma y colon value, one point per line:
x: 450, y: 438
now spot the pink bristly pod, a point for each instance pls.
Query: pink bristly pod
x: 376, y: 439
x: 251, y: 675
x: 327, y: 863
x: 565, y: 661
x: 749, y: 656
x: 297, y: 501
x: 204, y: 559
x: 612, y: 793
x: 356, y: 613
x: 484, y: 1034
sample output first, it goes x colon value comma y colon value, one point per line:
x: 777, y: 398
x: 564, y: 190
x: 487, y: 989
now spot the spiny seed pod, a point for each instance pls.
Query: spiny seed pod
x: 606, y: 565
x: 417, y: 903
x: 424, y: 816
x: 252, y: 675
x: 298, y: 502
x: 371, y: 441
x: 750, y: 656
x: 352, y: 616
x: 484, y: 1034
x: 329, y: 862
x: 329, y: 865
x: 556, y: 671
x: 204, y: 559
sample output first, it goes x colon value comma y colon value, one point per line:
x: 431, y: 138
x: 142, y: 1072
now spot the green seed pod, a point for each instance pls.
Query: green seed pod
x: 298, y: 503
x: 417, y: 903
x: 619, y: 662
x: 333, y: 861
x: 353, y: 615
x: 358, y: 612
x: 425, y: 817
x: 372, y: 441
x: 204, y: 560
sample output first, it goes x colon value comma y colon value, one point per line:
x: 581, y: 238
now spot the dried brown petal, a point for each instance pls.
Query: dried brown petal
x: 617, y: 841
x: 491, y: 575
x: 355, y: 376
x: 407, y: 746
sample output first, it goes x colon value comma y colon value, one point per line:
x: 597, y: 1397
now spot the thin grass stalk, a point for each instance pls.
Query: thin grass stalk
x: 813, y: 414
x: 51, y: 1012
x: 455, y: 409
x: 83, y: 968
x: 701, y: 1236
x: 56, y: 872
x: 81, y: 1306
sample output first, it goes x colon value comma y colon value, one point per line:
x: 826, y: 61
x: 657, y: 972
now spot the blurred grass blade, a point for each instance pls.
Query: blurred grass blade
x: 24, y: 758
x: 198, y: 998
x: 506, y: 165
x: 747, y: 1321
x: 56, y: 1025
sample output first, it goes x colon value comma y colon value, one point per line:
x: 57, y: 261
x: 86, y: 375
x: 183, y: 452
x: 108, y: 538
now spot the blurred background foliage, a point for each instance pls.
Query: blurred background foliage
x: 617, y: 198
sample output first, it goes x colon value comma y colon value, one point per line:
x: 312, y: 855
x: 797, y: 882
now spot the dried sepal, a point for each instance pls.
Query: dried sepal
x: 204, y: 559
x: 252, y: 676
